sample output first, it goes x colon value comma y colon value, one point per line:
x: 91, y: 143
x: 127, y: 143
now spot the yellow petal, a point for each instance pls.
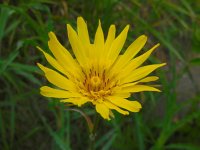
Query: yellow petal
x: 56, y: 93
x: 62, y: 55
x: 110, y: 38
x: 83, y: 31
x: 53, y: 62
x: 122, y: 94
x: 131, y: 51
x: 139, y: 88
x: 141, y: 73
x: 83, y: 36
x: 135, y: 47
x: 103, y: 110
x: 105, y: 62
x: 99, y: 36
x: 140, y: 59
x: 77, y: 46
x: 57, y: 79
x: 76, y: 101
x: 99, y: 42
x: 117, y: 45
x: 132, y: 106
x: 147, y: 79
x: 112, y: 106
x: 136, y: 62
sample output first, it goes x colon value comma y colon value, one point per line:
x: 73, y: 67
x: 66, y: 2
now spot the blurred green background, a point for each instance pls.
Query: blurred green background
x: 168, y: 120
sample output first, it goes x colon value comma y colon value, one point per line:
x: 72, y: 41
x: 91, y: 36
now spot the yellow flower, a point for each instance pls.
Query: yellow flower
x: 98, y: 74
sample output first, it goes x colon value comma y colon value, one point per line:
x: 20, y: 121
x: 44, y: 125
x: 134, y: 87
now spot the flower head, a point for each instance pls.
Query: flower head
x: 98, y: 74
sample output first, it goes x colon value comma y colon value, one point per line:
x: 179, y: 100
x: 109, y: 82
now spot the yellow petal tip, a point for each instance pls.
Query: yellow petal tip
x: 68, y: 26
x: 163, y: 64
x: 51, y: 34
x: 40, y: 49
x: 38, y: 64
x: 80, y: 18
x: 158, y: 44
x: 127, y: 27
x: 143, y: 36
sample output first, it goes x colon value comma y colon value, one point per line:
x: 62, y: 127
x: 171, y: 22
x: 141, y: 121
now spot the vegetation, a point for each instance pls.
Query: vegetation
x: 168, y: 120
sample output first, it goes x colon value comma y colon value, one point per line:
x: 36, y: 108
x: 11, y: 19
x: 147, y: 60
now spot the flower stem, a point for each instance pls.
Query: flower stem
x: 92, y: 135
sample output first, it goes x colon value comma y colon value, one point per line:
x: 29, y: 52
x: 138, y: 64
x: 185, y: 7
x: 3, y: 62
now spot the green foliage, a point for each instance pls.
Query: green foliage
x: 167, y: 121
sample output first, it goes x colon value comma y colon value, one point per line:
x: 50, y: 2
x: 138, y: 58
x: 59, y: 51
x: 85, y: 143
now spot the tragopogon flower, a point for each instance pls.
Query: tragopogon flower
x: 98, y: 74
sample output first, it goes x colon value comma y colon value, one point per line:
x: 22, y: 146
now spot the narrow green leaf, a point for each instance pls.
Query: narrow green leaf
x: 8, y: 61
x: 195, y: 61
x: 182, y: 146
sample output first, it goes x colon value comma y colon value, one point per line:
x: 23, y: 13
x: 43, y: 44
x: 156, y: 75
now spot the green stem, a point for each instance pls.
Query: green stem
x: 92, y: 135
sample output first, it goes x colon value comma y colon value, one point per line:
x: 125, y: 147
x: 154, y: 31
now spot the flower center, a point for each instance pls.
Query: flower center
x: 95, y: 81
x: 96, y: 84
